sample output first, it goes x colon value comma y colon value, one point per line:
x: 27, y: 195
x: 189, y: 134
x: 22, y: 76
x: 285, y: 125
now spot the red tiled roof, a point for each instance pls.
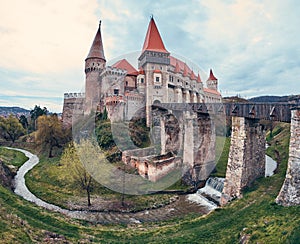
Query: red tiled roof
x: 141, y: 71
x: 193, y: 76
x: 185, y: 70
x: 153, y: 41
x: 211, y: 76
x: 124, y: 64
x: 157, y: 71
x: 211, y: 91
x: 96, y: 50
x: 199, y: 79
x: 181, y: 64
x: 177, y: 69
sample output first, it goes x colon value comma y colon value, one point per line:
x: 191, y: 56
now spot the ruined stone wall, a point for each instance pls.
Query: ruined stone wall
x: 290, y: 192
x: 134, y: 102
x: 199, y: 148
x: 246, y: 160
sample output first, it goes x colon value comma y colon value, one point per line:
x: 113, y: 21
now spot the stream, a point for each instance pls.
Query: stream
x: 181, y: 207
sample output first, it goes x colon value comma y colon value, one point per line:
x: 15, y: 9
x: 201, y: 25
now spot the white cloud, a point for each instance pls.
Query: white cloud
x: 253, y: 46
x: 46, y: 36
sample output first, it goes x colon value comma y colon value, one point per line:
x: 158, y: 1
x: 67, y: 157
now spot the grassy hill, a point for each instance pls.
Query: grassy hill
x: 254, y: 218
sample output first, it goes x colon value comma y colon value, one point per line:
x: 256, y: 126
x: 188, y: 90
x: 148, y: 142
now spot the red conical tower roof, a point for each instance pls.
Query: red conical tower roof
x: 199, y: 79
x: 96, y: 50
x: 177, y: 69
x: 153, y: 41
x: 211, y: 76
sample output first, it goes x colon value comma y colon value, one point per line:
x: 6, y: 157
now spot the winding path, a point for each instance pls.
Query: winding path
x: 178, y: 208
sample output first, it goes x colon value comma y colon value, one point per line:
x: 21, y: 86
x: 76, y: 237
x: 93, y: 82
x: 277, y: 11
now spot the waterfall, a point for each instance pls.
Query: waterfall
x: 210, y: 194
x: 216, y: 183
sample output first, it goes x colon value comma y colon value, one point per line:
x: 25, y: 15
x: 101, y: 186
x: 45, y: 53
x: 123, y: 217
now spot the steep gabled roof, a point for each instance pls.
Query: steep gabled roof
x: 153, y: 41
x: 211, y: 76
x: 125, y: 65
x: 193, y: 76
x: 96, y: 50
x: 199, y: 79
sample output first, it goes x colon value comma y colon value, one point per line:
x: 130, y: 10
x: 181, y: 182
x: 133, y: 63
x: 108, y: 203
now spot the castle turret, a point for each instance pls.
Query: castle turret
x: 212, y: 81
x: 154, y: 60
x: 94, y: 65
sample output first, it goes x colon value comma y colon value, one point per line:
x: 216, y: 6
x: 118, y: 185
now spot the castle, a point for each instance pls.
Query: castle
x: 123, y: 89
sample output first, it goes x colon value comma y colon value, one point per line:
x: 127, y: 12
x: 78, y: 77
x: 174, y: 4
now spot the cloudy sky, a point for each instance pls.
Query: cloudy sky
x: 253, y: 46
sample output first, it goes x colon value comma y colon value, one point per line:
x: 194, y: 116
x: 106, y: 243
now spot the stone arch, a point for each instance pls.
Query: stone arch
x: 156, y: 102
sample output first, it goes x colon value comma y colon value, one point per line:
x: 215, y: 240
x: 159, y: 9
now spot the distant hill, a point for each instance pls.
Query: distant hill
x: 4, y: 111
x: 274, y: 99
x: 234, y: 99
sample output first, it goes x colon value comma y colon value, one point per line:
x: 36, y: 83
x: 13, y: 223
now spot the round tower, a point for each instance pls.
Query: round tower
x: 94, y: 65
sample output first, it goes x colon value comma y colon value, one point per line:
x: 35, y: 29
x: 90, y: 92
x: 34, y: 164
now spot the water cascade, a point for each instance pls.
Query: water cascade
x: 210, y: 194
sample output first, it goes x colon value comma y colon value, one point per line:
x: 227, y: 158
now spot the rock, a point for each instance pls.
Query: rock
x: 6, y: 176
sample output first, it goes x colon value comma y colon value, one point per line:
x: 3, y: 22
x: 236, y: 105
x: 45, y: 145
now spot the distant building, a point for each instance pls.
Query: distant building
x: 123, y: 88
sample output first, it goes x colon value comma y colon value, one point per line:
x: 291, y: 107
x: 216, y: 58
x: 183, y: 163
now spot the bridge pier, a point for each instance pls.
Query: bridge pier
x: 246, y: 160
x: 290, y: 192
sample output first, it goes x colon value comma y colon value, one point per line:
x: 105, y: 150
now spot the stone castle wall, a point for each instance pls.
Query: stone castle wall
x: 290, y: 192
x: 73, y: 106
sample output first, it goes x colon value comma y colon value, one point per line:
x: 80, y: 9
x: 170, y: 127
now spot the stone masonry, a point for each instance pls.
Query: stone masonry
x: 246, y: 160
x: 290, y: 192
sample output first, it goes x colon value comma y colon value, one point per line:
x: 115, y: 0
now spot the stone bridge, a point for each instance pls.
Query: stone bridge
x: 198, y: 125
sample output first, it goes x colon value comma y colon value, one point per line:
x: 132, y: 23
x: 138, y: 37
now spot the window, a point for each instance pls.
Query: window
x: 142, y: 80
x: 157, y: 79
x: 116, y: 92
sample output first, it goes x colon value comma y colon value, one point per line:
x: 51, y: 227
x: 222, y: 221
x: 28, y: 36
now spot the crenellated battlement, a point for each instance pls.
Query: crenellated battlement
x: 74, y: 95
x: 115, y: 71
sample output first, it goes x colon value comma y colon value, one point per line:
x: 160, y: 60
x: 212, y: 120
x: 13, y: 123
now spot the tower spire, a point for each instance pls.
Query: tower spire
x: 153, y: 41
x: 198, y: 78
x: 211, y: 75
x: 96, y: 50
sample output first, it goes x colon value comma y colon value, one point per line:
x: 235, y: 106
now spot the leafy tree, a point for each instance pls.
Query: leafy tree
x: 10, y: 128
x: 35, y: 113
x: 23, y: 120
x: 76, y: 170
x: 50, y: 132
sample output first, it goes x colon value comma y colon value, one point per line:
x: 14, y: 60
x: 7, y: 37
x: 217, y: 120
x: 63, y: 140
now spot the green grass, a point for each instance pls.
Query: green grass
x: 12, y: 157
x: 220, y: 170
x: 51, y: 182
x: 255, y: 215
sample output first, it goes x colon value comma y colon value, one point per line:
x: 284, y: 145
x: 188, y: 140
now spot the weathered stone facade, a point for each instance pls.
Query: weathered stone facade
x: 73, y: 104
x: 246, y: 160
x: 183, y: 140
x: 124, y: 89
x: 179, y: 137
x: 290, y: 192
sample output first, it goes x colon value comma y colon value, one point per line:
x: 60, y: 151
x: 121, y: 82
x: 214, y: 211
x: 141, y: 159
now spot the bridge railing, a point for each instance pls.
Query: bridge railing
x: 267, y: 111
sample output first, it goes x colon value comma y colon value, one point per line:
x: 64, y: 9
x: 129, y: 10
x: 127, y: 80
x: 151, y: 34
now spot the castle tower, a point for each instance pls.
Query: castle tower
x: 212, y: 81
x: 154, y: 60
x: 94, y: 65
